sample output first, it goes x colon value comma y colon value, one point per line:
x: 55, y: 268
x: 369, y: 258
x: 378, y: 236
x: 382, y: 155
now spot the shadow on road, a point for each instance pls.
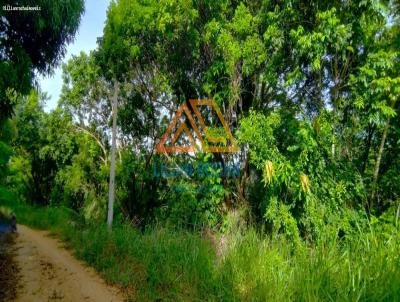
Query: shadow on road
x: 8, y: 268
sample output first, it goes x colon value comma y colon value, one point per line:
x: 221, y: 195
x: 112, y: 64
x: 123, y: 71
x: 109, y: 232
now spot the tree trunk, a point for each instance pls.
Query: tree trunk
x: 367, y: 143
x: 111, y: 193
x: 378, y: 163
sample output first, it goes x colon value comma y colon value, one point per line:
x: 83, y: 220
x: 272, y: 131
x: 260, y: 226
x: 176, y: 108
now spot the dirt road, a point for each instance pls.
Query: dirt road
x: 48, y: 272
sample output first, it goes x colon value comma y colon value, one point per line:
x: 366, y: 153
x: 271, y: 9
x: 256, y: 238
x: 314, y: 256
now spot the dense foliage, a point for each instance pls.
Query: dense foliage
x: 31, y: 42
x: 310, y: 91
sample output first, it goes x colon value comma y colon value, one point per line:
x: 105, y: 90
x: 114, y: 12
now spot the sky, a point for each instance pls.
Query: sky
x: 90, y: 28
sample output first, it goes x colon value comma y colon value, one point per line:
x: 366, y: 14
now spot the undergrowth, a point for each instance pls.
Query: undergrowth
x: 167, y: 264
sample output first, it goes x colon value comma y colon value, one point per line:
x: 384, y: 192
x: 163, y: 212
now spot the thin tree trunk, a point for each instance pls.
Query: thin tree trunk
x: 112, y: 166
x: 378, y: 163
x: 334, y: 101
x: 367, y: 143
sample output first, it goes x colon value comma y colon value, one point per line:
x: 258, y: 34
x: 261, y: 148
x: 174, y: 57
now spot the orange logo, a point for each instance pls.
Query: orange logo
x: 220, y: 140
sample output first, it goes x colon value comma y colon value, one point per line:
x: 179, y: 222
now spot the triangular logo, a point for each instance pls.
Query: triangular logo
x: 183, y: 129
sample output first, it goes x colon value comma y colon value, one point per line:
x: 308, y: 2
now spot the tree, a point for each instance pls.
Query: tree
x: 38, y: 169
x: 219, y: 50
x: 33, y: 41
x: 84, y: 96
x: 111, y: 195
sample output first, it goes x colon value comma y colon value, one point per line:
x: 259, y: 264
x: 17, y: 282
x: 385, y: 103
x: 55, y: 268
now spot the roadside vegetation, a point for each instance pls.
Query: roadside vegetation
x: 310, y: 92
x: 173, y: 264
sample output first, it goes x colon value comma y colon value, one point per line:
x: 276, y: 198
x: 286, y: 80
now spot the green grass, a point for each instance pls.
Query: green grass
x: 5, y: 211
x: 163, y: 264
x: 5, y: 214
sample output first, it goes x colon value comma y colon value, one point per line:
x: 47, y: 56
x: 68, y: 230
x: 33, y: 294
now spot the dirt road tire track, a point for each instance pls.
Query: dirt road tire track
x: 48, y: 272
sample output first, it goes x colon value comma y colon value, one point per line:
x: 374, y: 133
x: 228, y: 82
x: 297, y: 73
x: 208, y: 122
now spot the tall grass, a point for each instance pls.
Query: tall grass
x: 166, y: 264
